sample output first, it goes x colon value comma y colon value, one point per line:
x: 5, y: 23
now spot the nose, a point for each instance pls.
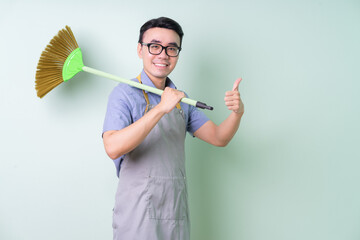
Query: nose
x: 163, y: 54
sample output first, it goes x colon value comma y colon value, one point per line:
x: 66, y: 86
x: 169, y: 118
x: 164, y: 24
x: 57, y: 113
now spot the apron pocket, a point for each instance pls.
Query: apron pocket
x: 167, y: 198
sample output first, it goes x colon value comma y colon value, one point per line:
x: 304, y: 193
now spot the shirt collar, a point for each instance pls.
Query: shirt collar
x: 147, y: 81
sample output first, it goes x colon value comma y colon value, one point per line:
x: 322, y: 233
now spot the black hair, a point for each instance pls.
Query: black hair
x: 161, y: 22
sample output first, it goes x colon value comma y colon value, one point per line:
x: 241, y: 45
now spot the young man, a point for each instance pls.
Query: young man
x: 144, y: 134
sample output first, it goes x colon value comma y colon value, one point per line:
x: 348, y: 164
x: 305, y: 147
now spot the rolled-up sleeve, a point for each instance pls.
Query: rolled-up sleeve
x: 118, y: 114
x: 196, y: 119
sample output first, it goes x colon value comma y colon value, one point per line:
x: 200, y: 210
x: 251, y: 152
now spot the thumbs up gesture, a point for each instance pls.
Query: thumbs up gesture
x: 233, y: 100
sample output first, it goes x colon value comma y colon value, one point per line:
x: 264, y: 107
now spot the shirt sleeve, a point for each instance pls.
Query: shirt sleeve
x: 196, y: 119
x: 118, y: 114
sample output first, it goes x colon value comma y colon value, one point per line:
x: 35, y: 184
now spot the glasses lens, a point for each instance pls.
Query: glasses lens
x: 172, y: 51
x: 155, y: 48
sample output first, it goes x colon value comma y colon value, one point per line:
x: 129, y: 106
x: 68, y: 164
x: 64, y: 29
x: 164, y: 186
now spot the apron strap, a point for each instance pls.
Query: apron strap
x: 145, y: 94
x: 147, y: 97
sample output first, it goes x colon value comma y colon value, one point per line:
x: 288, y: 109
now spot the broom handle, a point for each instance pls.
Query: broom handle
x: 143, y: 87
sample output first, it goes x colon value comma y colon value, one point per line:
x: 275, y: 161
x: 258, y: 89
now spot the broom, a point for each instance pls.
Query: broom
x: 62, y: 59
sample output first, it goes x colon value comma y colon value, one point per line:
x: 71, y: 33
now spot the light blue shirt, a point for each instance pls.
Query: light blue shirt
x: 127, y: 104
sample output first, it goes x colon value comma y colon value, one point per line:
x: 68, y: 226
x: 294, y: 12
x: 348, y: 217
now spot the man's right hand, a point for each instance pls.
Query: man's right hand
x: 169, y: 99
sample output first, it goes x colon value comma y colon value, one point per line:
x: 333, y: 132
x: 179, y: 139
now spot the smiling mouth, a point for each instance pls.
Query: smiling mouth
x: 161, y: 65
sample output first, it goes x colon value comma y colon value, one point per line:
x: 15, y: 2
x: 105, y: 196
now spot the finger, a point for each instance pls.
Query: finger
x: 232, y: 93
x: 232, y: 97
x: 236, y: 84
x: 232, y: 102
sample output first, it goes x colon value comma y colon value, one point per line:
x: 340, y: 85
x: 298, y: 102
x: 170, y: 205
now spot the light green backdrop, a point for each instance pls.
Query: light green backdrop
x: 291, y: 171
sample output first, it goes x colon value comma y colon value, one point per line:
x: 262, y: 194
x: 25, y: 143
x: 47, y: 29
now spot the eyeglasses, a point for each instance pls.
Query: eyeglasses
x: 156, y: 49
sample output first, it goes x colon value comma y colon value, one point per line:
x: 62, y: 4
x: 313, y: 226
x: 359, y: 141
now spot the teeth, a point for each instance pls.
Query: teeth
x: 161, y: 65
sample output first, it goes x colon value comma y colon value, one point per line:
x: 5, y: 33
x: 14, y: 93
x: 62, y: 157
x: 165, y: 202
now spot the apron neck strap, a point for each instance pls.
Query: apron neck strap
x: 147, y: 97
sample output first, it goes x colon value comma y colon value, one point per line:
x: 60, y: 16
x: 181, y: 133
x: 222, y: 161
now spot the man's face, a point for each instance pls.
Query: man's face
x: 158, y: 67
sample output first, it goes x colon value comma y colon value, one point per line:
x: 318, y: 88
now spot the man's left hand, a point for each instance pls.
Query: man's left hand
x: 233, y: 100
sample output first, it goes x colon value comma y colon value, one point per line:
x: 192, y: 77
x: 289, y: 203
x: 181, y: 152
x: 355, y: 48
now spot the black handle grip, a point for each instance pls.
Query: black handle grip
x: 203, y: 106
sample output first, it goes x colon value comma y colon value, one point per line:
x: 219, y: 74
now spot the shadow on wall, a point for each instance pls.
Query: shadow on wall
x: 232, y: 182
x: 225, y: 182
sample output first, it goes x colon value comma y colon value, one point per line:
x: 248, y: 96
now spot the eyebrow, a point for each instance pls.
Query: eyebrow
x: 170, y: 44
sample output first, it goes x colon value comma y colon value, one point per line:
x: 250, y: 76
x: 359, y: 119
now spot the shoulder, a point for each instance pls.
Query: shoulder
x: 122, y: 97
x: 121, y: 90
x: 124, y: 92
x: 127, y: 100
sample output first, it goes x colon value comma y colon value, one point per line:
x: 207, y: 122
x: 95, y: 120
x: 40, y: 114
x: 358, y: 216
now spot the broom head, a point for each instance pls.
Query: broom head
x: 60, y: 61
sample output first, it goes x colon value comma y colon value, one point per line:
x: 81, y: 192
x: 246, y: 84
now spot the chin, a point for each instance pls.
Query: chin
x: 162, y: 74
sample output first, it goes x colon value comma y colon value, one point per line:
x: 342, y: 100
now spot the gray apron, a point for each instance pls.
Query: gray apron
x: 151, y: 198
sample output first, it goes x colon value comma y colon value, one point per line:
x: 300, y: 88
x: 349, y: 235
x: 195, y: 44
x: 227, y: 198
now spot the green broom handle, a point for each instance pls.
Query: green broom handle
x: 143, y: 87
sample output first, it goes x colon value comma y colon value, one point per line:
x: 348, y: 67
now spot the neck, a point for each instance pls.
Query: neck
x: 158, y: 82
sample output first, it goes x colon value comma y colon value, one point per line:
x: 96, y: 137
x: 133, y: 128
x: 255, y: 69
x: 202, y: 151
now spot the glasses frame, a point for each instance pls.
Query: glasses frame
x: 162, y: 48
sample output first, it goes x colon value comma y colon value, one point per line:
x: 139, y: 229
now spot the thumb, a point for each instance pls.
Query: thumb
x: 236, y: 84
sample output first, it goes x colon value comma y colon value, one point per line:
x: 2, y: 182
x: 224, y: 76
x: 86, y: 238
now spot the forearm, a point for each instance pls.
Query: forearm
x: 118, y: 143
x: 227, y: 129
x: 219, y: 135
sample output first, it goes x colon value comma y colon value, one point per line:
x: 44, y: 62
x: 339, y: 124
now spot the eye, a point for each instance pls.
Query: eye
x: 173, y: 49
x: 155, y: 46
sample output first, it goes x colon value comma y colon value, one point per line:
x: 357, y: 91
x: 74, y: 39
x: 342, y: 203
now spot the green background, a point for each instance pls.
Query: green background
x: 291, y: 171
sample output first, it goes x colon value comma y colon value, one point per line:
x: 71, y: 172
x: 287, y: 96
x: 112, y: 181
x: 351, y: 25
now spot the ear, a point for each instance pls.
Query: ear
x: 139, y: 50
